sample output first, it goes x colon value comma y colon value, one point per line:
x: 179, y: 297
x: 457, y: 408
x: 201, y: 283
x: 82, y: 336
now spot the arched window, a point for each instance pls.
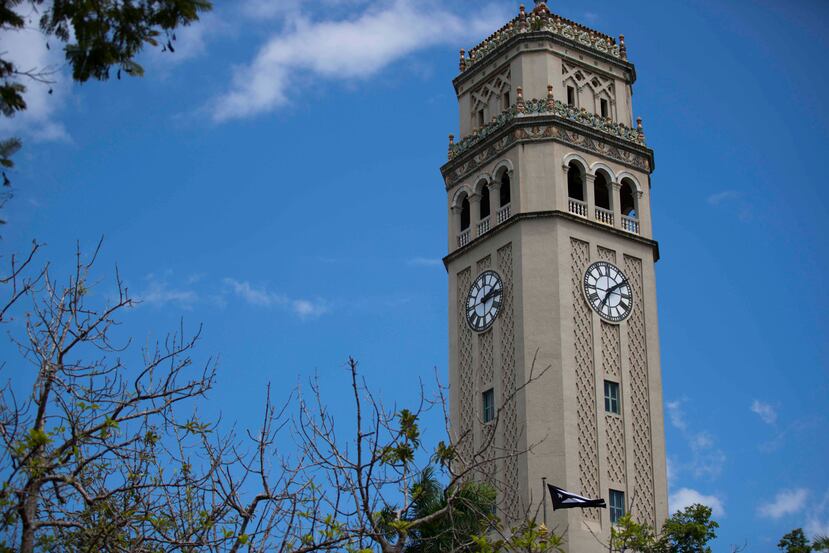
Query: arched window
x: 464, y: 214
x: 484, y: 202
x: 627, y: 199
x: 575, y: 182
x: 601, y: 190
x: 505, y: 192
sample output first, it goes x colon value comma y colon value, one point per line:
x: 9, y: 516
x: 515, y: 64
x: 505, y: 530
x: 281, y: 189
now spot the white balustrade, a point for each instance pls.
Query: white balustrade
x: 504, y: 214
x: 578, y: 207
x: 630, y: 224
x: 604, y: 216
x: 463, y: 238
x: 483, y: 226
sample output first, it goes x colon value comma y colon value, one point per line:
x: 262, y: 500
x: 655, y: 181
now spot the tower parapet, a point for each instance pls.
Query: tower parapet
x: 542, y: 20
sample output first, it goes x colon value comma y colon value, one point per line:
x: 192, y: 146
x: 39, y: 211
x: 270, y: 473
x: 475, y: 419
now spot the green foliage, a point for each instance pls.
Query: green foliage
x: 686, y: 531
x: 690, y: 530
x: 444, y: 454
x: 820, y: 543
x: 468, y: 515
x: 528, y: 537
x: 629, y: 535
x: 102, y: 34
x: 794, y: 542
x: 97, y: 36
x: 402, y: 451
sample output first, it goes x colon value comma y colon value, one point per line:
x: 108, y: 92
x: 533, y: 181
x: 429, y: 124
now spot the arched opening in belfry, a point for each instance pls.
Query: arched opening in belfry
x: 484, y: 202
x: 505, y: 190
x: 601, y: 190
x: 575, y: 181
x: 627, y: 199
x: 464, y: 214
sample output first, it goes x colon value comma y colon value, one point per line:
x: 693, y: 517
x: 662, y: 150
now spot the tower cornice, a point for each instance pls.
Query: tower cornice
x: 556, y: 122
x: 544, y: 26
x: 534, y: 215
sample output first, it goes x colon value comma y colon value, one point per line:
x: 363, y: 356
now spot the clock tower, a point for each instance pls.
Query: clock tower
x: 551, y: 265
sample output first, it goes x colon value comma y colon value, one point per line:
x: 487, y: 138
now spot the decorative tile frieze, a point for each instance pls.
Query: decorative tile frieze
x: 556, y: 108
x: 542, y: 23
x: 529, y: 129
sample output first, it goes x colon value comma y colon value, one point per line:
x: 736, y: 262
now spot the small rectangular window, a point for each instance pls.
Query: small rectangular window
x: 489, y: 405
x: 571, y: 96
x: 480, y: 118
x: 617, y: 505
x: 611, y: 397
x: 604, y: 107
x: 506, y: 103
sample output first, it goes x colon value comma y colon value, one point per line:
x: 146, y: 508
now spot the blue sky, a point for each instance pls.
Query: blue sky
x: 276, y: 179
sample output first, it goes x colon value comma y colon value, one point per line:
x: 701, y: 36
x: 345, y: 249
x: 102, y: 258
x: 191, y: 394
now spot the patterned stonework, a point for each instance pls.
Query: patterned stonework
x: 585, y: 378
x: 485, y: 349
x: 466, y: 381
x: 508, y: 386
x: 580, y: 76
x: 614, y: 429
x: 611, y: 351
x: 639, y: 397
x: 496, y: 86
x: 615, y: 449
x: 606, y: 254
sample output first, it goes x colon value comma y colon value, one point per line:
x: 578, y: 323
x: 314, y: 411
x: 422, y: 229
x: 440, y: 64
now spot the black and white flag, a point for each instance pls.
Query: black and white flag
x: 562, y: 499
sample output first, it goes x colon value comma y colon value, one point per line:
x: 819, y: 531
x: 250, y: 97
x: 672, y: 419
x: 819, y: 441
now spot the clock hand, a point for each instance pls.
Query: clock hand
x: 491, y: 294
x: 611, y: 290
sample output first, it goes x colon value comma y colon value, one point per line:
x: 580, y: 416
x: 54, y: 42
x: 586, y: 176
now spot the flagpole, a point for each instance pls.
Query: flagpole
x: 544, y: 497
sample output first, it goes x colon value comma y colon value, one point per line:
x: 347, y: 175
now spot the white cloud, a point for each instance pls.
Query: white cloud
x: 720, y: 197
x: 159, y: 293
x: 307, y: 309
x: 676, y: 415
x: 817, y: 521
x: 26, y: 48
x: 685, y: 497
x: 424, y: 262
x: 263, y: 10
x: 255, y: 296
x: 786, y: 502
x: 262, y: 297
x: 191, y: 40
x: 350, y: 49
x: 706, y: 460
x: 765, y: 411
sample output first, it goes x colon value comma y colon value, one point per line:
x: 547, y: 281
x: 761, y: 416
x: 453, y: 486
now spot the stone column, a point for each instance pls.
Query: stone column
x: 566, y: 192
x: 494, y: 202
x: 616, y: 203
x: 590, y: 197
x: 474, y: 213
x: 454, y: 227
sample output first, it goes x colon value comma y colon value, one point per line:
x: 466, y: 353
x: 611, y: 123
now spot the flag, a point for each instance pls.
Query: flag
x: 562, y: 499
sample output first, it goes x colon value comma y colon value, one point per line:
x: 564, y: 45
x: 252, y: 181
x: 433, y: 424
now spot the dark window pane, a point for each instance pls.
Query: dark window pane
x: 575, y: 183
x: 489, y: 405
x: 617, y: 505
x: 505, y: 192
x: 627, y: 202
x: 602, y: 191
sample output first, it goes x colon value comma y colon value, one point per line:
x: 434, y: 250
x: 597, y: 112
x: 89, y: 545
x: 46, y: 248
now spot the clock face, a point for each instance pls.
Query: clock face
x: 608, y: 291
x: 484, y: 301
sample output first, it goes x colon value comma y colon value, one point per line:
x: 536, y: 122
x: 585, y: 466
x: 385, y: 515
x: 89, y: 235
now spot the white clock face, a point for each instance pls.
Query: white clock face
x: 608, y: 291
x: 484, y: 301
